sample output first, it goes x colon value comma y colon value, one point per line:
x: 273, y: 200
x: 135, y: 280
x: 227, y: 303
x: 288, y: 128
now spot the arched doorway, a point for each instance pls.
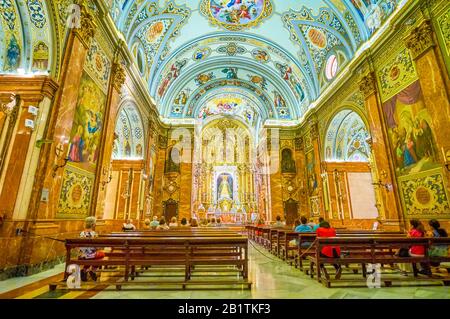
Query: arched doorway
x: 350, y: 190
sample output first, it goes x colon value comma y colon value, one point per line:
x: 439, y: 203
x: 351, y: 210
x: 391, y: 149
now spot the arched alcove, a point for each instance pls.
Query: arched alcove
x: 129, y: 142
x: 346, y: 138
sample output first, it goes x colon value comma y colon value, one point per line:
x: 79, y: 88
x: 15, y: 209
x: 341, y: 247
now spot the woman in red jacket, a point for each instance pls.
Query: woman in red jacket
x: 325, y: 230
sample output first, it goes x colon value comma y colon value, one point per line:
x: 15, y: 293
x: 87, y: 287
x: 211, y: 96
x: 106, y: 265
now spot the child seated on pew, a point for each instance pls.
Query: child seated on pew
x: 89, y: 252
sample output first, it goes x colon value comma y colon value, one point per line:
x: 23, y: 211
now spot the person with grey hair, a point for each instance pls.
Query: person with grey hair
x: 89, y: 252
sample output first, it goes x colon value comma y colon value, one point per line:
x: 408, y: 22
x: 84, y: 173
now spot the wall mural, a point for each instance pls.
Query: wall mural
x: 374, y: 12
x: 413, y: 144
x: 87, y: 126
x: 229, y: 104
x: 235, y: 15
x: 129, y: 135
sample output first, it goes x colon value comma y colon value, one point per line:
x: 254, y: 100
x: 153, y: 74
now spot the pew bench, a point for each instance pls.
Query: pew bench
x: 126, y: 254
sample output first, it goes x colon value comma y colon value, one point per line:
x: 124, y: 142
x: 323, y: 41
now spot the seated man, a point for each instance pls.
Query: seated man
x: 279, y: 223
x: 128, y: 226
x: 302, y: 228
x: 317, y: 226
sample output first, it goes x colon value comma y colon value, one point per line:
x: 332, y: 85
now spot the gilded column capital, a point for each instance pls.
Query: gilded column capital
x: 85, y: 30
x: 118, y: 76
x: 299, y: 144
x: 314, y: 131
x: 368, y: 85
x: 420, y: 39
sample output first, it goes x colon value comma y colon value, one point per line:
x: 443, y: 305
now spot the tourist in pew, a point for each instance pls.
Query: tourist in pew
x: 437, y: 250
x: 147, y: 224
x: 194, y: 223
x: 162, y: 225
x: 325, y: 230
x: 279, y: 223
x: 155, y: 222
x: 212, y: 223
x: 184, y: 223
x: 311, y: 223
x: 302, y: 228
x: 89, y: 252
x: 219, y: 223
x: 173, y: 222
x: 417, y: 231
x: 128, y: 226
x: 317, y: 226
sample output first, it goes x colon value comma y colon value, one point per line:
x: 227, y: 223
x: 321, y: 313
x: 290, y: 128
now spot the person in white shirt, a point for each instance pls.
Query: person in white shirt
x: 173, y: 222
x: 128, y: 226
x: 162, y: 225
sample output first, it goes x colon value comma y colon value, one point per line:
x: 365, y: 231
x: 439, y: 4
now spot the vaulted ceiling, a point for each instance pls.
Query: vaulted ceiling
x: 263, y: 60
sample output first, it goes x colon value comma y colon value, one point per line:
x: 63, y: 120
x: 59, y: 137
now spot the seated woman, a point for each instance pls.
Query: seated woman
x: 194, y: 223
x: 162, y: 225
x: 147, y: 224
x: 278, y: 223
x: 184, y: 223
x: 325, y: 230
x: 417, y: 230
x: 89, y: 252
x: 437, y: 250
x: 128, y: 226
x: 173, y: 222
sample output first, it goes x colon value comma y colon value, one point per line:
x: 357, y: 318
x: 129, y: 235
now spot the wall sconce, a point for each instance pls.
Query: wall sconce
x: 446, y: 159
x: 59, y: 152
x: 387, y: 186
x: 106, y: 172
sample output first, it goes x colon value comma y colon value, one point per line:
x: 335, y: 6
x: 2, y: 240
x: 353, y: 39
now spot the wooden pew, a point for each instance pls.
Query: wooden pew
x: 187, y: 252
x: 364, y: 251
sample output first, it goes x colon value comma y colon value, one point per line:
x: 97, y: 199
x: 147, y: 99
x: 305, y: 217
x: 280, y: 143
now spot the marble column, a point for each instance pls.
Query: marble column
x: 389, y: 201
x: 424, y: 51
x: 318, y: 171
x: 117, y: 80
x: 61, y: 119
x: 32, y: 92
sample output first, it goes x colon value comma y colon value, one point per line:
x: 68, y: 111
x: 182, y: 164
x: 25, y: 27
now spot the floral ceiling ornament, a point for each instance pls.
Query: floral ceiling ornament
x: 236, y: 15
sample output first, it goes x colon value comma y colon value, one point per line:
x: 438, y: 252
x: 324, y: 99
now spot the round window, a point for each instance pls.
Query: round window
x: 332, y: 67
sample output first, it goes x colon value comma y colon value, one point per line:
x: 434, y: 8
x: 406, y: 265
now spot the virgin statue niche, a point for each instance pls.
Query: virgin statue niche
x: 225, y: 189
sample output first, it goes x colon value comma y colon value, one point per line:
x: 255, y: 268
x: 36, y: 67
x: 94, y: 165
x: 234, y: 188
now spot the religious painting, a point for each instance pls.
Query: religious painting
x: 12, y: 54
x: 261, y: 55
x: 225, y: 186
x: 75, y: 198
x: 410, y: 131
x: 155, y: 31
x: 258, y: 80
x: 374, y: 12
x: 313, y: 184
x: 40, y: 57
x: 287, y: 161
x: 173, y: 159
x: 171, y: 76
x: 87, y: 125
x: 235, y: 15
x: 98, y: 65
x: 231, y: 73
x: 229, y: 104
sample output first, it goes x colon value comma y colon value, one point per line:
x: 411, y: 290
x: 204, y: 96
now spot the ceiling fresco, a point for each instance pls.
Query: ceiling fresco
x: 281, y: 53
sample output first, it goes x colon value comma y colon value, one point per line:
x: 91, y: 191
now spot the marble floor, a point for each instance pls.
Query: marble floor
x: 271, y: 277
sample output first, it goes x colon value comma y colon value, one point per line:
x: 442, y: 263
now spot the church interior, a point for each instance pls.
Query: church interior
x: 182, y: 143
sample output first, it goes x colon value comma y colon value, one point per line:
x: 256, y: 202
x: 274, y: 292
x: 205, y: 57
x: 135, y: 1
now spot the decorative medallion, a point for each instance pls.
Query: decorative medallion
x: 201, y: 54
x: 235, y: 15
x: 231, y: 49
